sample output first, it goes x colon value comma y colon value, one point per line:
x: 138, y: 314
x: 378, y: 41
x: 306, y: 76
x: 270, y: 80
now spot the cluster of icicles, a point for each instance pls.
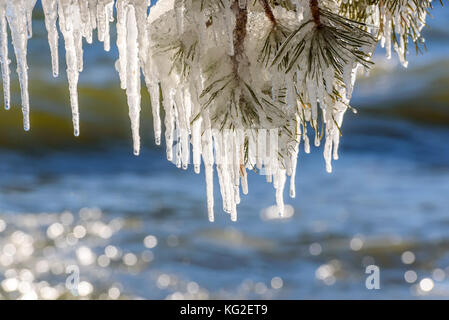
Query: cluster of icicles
x: 146, y: 39
x: 401, y: 21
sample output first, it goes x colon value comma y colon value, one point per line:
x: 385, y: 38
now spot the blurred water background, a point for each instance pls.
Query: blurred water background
x: 136, y: 227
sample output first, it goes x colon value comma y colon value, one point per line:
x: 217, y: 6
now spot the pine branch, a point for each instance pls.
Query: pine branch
x: 331, y: 44
x: 273, y: 41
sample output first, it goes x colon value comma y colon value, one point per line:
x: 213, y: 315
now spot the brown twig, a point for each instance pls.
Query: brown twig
x: 315, y: 9
x: 241, y: 15
x: 268, y: 11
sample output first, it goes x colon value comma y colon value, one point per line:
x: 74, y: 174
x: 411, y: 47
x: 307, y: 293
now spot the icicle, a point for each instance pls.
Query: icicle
x: 219, y: 161
x: 178, y: 146
x: 229, y: 174
x: 133, y: 77
x: 141, y: 11
x: 306, y: 140
x: 169, y: 120
x: 69, y: 25
x: 104, y: 10
x: 261, y: 147
x: 244, y: 180
x: 338, y: 116
x: 196, y: 145
x: 294, y: 157
x: 208, y: 158
x: 93, y: 13
x: 349, y: 75
x: 184, y: 109
x: 155, y: 106
x: 388, y: 37
x: 312, y: 92
x: 267, y: 156
x: 86, y: 21
x: 402, y: 53
x: 109, y: 17
x: 281, y: 178
x: 251, y: 149
x: 209, y: 172
x: 17, y: 13
x: 328, y: 148
x: 274, y: 150
x: 29, y: 6
x: 4, y: 60
x: 121, y: 41
x: 51, y: 15
x: 185, y: 154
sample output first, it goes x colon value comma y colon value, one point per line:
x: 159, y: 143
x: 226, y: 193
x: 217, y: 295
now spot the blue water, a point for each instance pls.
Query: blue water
x: 386, y: 197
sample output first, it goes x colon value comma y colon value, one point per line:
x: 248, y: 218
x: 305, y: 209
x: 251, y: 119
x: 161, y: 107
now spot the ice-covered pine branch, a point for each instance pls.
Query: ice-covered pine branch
x: 241, y: 81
